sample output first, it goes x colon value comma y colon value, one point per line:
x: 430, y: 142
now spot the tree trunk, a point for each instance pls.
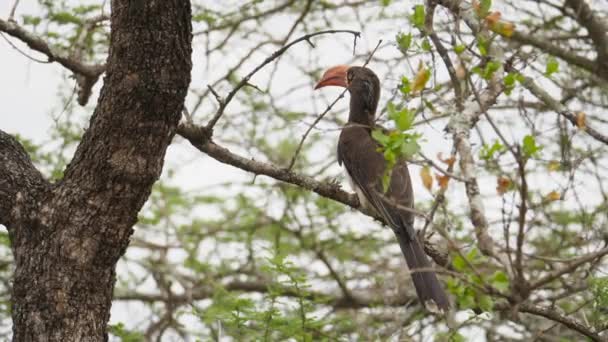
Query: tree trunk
x: 67, y: 237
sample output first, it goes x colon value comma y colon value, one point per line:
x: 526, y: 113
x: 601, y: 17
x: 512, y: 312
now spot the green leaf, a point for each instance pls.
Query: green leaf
x: 500, y: 281
x: 410, y: 148
x: 459, y: 263
x: 63, y: 18
x: 380, y: 137
x: 487, y: 152
x: 459, y: 49
x: 484, y: 8
x: 406, y: 87
x: 426, y: 46
x: 530, y: 147
x: 403, y: 118
x: 125, y: 335
x: 486, y: 303
x: 490, y: 69
x: 509, y: 81
x: 551, y: 67
x: 482, y: 45
x: 386, y: 2
x: 31, y: 20
x: 404, y: 41
x: 417, y: 17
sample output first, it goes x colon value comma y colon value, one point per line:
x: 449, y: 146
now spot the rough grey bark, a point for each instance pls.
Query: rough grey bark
x: 67, y: 237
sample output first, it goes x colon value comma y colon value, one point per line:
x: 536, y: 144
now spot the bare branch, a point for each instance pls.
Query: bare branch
x: 555, y: 316
x: 271, y: 58
x: 559, y: 108
x: 86, y: 74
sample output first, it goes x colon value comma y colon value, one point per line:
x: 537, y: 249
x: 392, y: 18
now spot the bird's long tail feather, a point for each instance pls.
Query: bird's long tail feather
x: 428, y: 288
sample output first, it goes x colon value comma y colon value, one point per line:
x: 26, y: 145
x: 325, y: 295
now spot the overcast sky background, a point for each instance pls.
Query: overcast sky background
x: 29, y: 99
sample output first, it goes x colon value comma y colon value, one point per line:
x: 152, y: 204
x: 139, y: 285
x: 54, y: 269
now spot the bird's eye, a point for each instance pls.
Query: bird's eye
x: 349, y: 76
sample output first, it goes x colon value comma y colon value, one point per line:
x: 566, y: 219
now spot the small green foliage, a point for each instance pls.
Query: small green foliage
x: 488, y: 71
x: 385, y: 2
x: 487, y: 152
x: 551, y: 67
x: 482, y: 45
x: 500, y: 281
x: 64, y: 18
x: 205, y: 16
x: 426, y: 45
x: 85, y: 9
x: 404, y: 41
x: 530, y: 148
x: 397, y: 144
x: 459, y: 48
x: 125, y: 335
x: 484, y: 8
x: 406, y: 86
x: 599, y: 286
x: 510, y: 80
x: 403, y: 118
x: 452, y: 336
x: 468, y: 294
x: 31, y: 20
x: 417, y: 18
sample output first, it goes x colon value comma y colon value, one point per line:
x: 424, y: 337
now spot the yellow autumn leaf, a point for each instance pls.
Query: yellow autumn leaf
x: 422, y: 76
x: 427, y: 178
x: 502, y: 185
x: 581, y: 120
x: 553, y: 165
x: 553, y: 196
x: 503, y: 28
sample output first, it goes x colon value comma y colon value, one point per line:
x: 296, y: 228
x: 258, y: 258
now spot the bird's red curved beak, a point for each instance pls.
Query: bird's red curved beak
x: 334, y: 76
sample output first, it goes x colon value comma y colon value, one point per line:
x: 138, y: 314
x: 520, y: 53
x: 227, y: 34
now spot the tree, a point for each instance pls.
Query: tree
x: 511, y: 200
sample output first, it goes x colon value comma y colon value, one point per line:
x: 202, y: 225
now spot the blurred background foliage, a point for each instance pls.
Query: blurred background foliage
x: 219, y: 253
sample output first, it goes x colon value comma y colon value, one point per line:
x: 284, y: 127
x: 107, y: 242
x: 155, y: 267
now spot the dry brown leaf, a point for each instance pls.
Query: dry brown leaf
x: 493, y: 18
x: 442, y: 180
x: 502, y: 185
x: 448, y: 161
x: 427, y: 178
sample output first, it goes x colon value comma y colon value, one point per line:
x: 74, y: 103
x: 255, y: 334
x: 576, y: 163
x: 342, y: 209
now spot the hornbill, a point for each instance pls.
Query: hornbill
x: 365, y: 166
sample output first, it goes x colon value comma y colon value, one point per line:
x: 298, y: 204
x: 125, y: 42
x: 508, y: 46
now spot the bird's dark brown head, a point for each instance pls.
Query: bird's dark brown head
x: 364, y: 88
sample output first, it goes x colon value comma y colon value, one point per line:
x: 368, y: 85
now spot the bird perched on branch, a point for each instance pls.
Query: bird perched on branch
x: 365, y: 166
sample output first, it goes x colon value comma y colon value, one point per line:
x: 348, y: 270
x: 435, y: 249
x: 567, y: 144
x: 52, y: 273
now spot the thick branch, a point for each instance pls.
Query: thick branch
x: 86, y: 74
x: 200, y: 139
x: 357, y: 300
x: 597, y: 28
x: 20, y: 182
x: 37, y: 44
x: 460, y: 125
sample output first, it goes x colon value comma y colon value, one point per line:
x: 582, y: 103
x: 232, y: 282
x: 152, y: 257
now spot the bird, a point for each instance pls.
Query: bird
x: 365, y: 165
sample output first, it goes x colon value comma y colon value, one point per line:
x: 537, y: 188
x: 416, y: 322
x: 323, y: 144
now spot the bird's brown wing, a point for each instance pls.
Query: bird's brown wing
x: 365, y: 165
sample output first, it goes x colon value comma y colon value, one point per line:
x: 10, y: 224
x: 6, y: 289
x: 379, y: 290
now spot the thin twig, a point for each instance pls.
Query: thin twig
x: 275, y: 55
x: 11, y: 16
x: 297, y: 152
